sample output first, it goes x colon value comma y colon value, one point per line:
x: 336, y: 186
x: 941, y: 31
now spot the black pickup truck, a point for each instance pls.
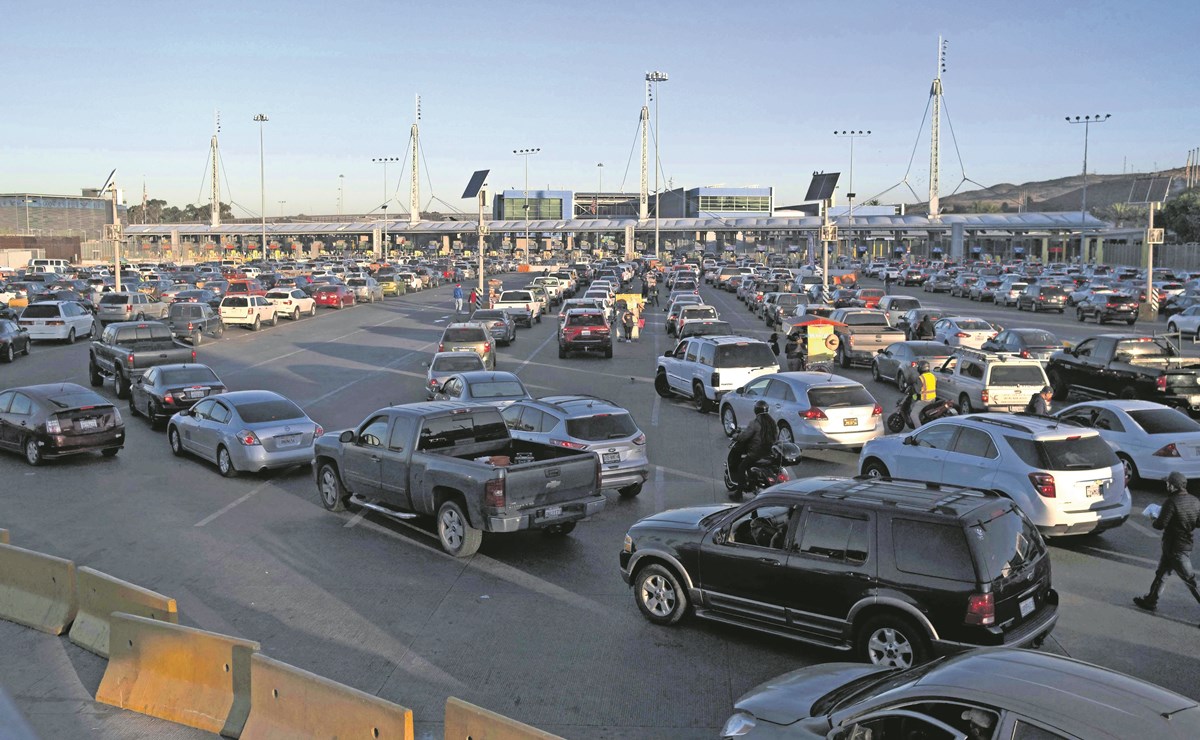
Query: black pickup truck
x: 1129, y: 366
x: 127, y: 349
x: 457, y: 462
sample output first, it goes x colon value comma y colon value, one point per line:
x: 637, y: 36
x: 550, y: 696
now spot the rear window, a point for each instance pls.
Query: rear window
x: 931, y: 549
x: 1083, y: 452
x: 235, y: 302
x: 1005, y: 544
x: 832, y: 397
x: 114, y: 299
x: 1040, y: 339
x: 279, y: 294
x: 464, y: 335
x: 1053, y: 290
x: 279, y: 409
x: 974, y: 325
x: 497, y: 389
x: 183, y: 376
x: 865, y: 319
x: 904, y: 304
x: 700, y: 313
x: 516, y: 297
x: 40, y: 311
x: 706, y: 328
x: 602, y: 427
x: 1018, y: 375
x: 592, y: 319
x: 461, y: 362
x: 456, y: 429
x: 1164, y: 421
x: 1119, y: 298
x: 79, y: 400
x: 750, y: 354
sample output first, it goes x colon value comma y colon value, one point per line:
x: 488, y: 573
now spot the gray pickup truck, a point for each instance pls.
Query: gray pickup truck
x: 457, y: 462
x: 127, y: 349
x: 866, y: 331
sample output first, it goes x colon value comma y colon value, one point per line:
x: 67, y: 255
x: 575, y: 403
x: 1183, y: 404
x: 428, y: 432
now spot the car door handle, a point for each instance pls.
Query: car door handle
x: 769, y: 561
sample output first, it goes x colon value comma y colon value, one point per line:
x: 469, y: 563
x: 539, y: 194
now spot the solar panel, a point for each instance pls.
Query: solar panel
x: 1149, y: 190
x: 476, y: 183
x: 822, y: 186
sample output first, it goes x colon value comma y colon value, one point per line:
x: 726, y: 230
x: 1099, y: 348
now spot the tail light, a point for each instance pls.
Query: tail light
x: 962, y: 335
x: 782, y: 477
x: 116, y: 415
x: 1043, y: 483
x: 441, y: 347
x: 1025, y: 354
x: 1169, y: 451
x: 493, y: 493
x: 193, y: 355
x: 318, y: 431
x: 1111, y: 305
x: 567, y: 444
x: 640, y: 439
x: 981, y: 609
x: 487, y: 348
x: 168, y: 398
x: 248, y: 438
x: 53, y: 425
x: 715, y: 379
x: 129, y: 359
x: 1160, y: 383
x: 128, y: 308
x: 877, y: 411
x: 983, y: 395
x: 814, y: 414
x: 54, y: 323
x: 1041, y: 298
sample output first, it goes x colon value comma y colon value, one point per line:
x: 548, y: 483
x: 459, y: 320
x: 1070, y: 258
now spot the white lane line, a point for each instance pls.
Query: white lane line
x: 533, y: 354
x: 682, y: 474
x: 318, y: 344
x: 391, y: 366
x: 1142, y: 528
x: 354, y: 520
x: 654, y: 410
x: 659, y: 497
x: 1122, y: 555
x: 232, y: 504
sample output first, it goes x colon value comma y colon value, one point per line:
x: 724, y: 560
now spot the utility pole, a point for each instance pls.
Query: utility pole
x: 215, y: 216
x: 384, y: 161
x: 655, y: 78
x: 526, y: 153
x: 935, y: 167
x: 262, y: 184
x: 1087, y: 121
x: 341, y: 194
x: 414, y: 194
x: 852, y: 135
x: 644, y: 193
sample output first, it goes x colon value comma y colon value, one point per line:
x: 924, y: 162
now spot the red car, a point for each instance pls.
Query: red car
x: 245, y: 287
x: 868, y: 298
x: 333, y: 296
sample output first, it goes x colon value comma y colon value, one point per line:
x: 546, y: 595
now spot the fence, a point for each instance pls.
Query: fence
x: 1173, y: 256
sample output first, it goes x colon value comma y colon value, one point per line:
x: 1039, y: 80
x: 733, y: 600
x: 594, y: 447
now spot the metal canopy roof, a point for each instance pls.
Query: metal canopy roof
x: 1061, y: 221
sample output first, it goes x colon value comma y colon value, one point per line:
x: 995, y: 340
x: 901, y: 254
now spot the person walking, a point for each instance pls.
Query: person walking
x: 791, y: 352
x: 887, y: 282
x: 1179, y: 516
x: 458, y: 299
x: 638, y: 321
x: 773, y: 341
x: 1039, y: 403
x: 474, y: 300
x: 627, y: 324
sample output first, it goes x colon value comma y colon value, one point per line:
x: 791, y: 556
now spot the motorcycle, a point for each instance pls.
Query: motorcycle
x: 779, y: 467
x: 902, y: 416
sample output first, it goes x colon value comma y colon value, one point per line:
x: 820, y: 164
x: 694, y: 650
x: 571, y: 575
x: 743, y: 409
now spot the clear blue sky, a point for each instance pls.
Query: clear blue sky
x: 756, y: 90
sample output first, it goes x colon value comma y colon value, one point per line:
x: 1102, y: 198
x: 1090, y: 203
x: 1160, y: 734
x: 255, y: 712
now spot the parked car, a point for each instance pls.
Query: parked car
x: 245, y: 431
x: 586, y: 423
x: 813, y: 410
x: 897, y: 363
x: 469, y: 336
x: 129, y: 306
x: 198, y: 295
x: 43, y: 422
x: 14, y: 340
x: 1186, y: 322
x: 1127, y: 366
x: 962, y: 284
x: 1067, y: 480
x: 499, y: 323
x: 251, y: 311
x: 445, y: 364
x: 161, y: 391
x: 57, y: 320
x: 808, y: 559
x: 963, y: 331
x: 585, y: 330
x: 939, y: 282
x: 1107, y: 307
x: 1003, y: 693
x: 292, y: 302
x: 333, y: 296
x: 910, y: 320
x: 1042, y: 297
x: 1152, y: 441
x: 126, y: 349
x: 486, y: 387
x: 192, y: 321
x: 896, y: 306
x: 979, y: 381
x: 1031, y: 344
x: 366, y: 289
x: 705, y: 368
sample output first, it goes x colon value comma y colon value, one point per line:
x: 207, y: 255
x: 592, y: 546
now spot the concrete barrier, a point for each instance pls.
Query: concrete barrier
x: 180, y: 674
x: 286, y: 703
x: 99, y: 595
x: 36, y: 590
x: 466, y: 721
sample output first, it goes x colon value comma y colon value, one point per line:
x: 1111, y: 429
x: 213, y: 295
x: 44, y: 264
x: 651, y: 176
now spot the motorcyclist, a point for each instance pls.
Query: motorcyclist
x: 924, y: 392
x: 755, y: 442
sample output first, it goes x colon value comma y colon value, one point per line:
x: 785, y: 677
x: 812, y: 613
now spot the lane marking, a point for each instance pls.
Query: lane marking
x: 1122, y: 555
x: 391, y: 366
x: 1142, y: 528
x: 354, y: 520
x: 659, y: 497
x: 683, y: 474
x: 657, y: 407
x: 533, y: 354
x: 232, y: 504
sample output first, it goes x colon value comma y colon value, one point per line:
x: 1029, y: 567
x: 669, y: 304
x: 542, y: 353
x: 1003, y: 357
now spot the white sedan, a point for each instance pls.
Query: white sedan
x: 292, y: 302
x: 1151, y: 440
x: 963, y: 331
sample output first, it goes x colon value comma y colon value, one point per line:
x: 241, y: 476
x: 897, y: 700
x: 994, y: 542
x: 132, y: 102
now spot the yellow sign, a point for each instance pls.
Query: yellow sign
x: 822, y: 342
x: 631, y: 299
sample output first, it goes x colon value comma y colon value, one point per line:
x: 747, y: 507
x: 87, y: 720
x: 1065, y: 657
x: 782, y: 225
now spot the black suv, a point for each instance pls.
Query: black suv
x: 1038, y: 297
x: 894, y: 570
x: 1108, y: 307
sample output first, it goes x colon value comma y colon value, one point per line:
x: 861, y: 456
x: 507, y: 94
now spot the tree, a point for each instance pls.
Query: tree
x: 157, y: 211
x: 1182, y: 216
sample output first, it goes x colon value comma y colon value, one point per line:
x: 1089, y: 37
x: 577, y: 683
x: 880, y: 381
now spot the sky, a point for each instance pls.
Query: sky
x: 755, y: 92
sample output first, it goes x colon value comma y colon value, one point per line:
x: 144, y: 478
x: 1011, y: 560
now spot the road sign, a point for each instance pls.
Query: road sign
x: 829, y: 233
x: 113, y: 232
x: 1155, y: 236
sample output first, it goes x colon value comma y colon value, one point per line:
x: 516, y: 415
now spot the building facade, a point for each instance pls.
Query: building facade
x: 510, y: 205
x: 32, y: 214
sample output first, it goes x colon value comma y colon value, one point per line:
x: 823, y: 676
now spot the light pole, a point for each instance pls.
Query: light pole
x: 281, y: 202
x: 341, y: 192
x: 655, y: 78
x: 384, y: 161
x: 1087, y: 121
x: 262, y: 184
x: 599, y: 194
x: 851, y: 135
x: 526, y: 153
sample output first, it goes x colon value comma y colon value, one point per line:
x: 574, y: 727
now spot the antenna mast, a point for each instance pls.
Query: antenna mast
x: 414, y: 195
x: 935, y: 124
x: 216, y: 180
x: 644, y: 194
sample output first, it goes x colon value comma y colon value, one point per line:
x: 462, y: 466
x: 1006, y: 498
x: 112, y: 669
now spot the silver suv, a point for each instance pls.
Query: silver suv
x: 128, y: 306
x: 586, y: 423
x: 986, y: 381
x: 705, y: 368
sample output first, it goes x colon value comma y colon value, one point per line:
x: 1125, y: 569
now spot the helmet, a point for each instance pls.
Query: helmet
x: 760, y: 407
x: 923, y: 367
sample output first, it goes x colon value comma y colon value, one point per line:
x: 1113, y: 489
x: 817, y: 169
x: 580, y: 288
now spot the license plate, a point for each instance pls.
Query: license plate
x: 463, y: 349
x: 849, y: 422
x: 1027, y: 607
x: 1092, y: 490
x: 194, y: 394
x: 585, y: 333
x: 551, y: 512
x: 611, y: 457
x: 88, y: 424
x: 290, y: 440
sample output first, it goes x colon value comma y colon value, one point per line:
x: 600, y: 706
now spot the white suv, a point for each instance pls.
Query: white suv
x: 248, y: 310
x: 705, y: 368
x: 1066, y: 479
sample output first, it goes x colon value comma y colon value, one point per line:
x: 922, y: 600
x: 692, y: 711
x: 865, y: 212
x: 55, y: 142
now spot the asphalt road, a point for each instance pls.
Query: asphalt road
x: 541, y: 629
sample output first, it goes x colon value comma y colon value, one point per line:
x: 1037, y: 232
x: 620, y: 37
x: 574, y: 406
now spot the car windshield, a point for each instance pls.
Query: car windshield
x: 1143, y: 351
x: 1164, y: 421
x: 865, y: 687
x: 258, y: 412
x: 40, y: 311
x: 602, y: 427
x: 745, y: 354
x: 464, y: 335
x: 1004, y: 544
x: 460, y: 362
x: 1080, y: 452
x: 1018, y: 375
x: 832, y: 397
x: 497, y: 389
x: 183, y: 376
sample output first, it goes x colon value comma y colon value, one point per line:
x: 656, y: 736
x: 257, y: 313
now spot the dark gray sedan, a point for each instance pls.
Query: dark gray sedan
x: 163, y: 390
x: 897, y: 363
x: 499, y: 324
x: 1034, y: 344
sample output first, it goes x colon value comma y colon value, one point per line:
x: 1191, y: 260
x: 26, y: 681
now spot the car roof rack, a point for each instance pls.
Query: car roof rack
x: 978, y: 354
x: 904, y: 493
x: 988, y: 419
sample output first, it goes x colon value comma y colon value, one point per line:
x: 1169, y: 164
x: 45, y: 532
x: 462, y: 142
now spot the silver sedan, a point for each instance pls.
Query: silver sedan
x: 811, y: 409
x: 488, y: 387
x: 245, y: 431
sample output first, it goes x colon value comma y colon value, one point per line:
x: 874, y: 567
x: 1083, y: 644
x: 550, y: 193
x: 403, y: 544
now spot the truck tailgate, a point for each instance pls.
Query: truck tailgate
x: 548, y: 482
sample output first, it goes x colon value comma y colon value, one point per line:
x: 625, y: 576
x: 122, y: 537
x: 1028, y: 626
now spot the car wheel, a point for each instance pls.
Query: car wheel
x: 33, y: 453
x: 661, y: 386
x: 296, y: 314
x: 892, y: 641
x: 1129, y: 322
x: 659, y: 595
x: 630, y: 491
x: 1079, y: 315
x: 1131, y: 474
x: 124, y: 386
x: 1060, y: 386
x: 274, y: 319
x: 256, y: 325
x: 313, y: 311
x: 875, y: 372
x: 94, y: 376
x: 559, y: 530
x: 964, y: 404
x: 220, y: 330
x: 71, y: 336
x: 700, y: 399
x: 329, y: 486
x: 10, y: 355
x: 873, y: 468
x: 728, y: 420
x: 785, y: 432
x: 455, y: 532
x: 174, y: 441
x: 154, y: 413
x: 899, y: 379
x: 225, y: 463
x: 562, y: 352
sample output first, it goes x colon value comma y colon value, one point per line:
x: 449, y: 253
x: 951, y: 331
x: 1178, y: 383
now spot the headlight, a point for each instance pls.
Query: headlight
x: 741, y: 723
x: 628, y: 546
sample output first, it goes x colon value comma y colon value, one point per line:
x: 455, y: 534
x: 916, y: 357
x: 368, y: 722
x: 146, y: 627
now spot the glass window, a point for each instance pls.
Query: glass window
x: 454, y: 429
x: 835, y: 537
x: 184, y: 376
x: 839, y: 397
x: 373, y: 434
x: 220, y: 413
x: 5, y: 400
x: 401, y: 434
x: 458, y: 362
x: 748, y: 354
x: 497, y: 389
x: 602, y: 427
x: 692, y: 352
x: 1108, y: 420
x: 1024, y: 731
x: 975, y: 442
x: 938, y: 437
x: 1005, y: 544
x: 1164, y: 421
x: 764, y: 526
x: 1003, y: 374
x: 203, y: 409
x: 21, y: 405
x: 277, y: 409
x: 780, y: 390
x: 930, y: 549
x: 758, y: 387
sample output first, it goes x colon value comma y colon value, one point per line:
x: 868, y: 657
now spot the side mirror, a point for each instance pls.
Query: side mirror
x: 346, y: 436
x: 425, y: 364
x: 668, y: 353
x: 720, y: 536
x: 185, y: 412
